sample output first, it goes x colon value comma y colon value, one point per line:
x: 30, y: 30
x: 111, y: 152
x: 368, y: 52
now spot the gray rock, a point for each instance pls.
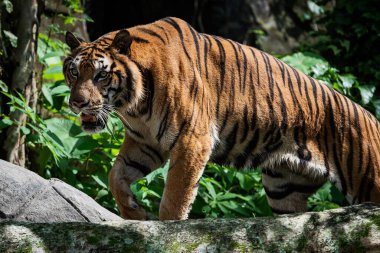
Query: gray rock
x: 25, y: 196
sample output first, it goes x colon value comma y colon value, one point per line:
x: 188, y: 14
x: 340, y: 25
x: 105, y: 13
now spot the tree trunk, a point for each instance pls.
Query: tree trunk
x: 351, y: 229
x: 23, y: 78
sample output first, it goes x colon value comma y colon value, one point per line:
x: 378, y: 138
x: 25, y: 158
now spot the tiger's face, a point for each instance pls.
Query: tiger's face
x: 102, y: 79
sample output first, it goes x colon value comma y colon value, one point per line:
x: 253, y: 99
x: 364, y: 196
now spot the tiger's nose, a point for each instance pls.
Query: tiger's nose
x: 79, y: 103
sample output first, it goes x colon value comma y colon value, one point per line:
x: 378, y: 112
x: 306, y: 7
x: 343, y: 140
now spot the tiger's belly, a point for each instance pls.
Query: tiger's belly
x: 269, y: 149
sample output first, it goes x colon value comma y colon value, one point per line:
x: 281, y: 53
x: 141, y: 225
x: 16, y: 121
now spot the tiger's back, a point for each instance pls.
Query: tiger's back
x: 204, y: 98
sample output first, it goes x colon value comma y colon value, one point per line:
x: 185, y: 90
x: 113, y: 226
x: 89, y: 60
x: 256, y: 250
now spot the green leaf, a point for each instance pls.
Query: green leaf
x: 54, y: 70
x: 366, y: 92
x: 11, y: 38
x: 25, y: 130
x: 210, y: 188
x: 347, y: 81
x: 6, y: 122
x: 153, y: 175
x: 304, y: 61
x: 99, y: 181
x: 60, y: 90
x: 101, y: 194
x: 47, y: 94
x: 314, y: 8
x: 3, y: 86
x: 8, y: 6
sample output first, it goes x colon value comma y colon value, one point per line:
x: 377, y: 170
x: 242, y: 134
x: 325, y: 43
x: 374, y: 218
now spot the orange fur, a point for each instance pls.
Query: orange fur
x: 195, y: 98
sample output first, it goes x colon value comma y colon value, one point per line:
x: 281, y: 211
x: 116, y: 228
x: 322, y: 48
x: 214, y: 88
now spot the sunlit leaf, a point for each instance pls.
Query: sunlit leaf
x: 11, y: 38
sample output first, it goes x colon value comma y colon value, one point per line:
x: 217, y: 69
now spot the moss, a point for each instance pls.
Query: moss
x: 93, y: 239
x: 353, y: 242
x: 301, y: 243
x: 376, y: 220
x: 24, y: 247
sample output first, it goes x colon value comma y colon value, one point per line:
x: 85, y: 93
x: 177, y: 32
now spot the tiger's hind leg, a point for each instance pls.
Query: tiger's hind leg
x: 287, y: 192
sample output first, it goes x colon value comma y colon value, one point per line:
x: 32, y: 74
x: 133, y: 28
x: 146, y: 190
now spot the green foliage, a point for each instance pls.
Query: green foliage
x: 347, y: 84
x: 223, y: 192
x: 347, y: 36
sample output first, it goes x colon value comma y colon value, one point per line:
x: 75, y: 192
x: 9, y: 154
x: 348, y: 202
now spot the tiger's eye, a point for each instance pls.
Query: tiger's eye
x: 103, y: 74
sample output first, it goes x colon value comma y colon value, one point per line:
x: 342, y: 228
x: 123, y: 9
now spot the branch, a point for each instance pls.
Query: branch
x: 352, y: 229
x: 24, y: 196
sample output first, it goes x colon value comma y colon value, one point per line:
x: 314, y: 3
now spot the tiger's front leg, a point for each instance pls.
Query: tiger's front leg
x: 134, y: 161
x: 187, y: 161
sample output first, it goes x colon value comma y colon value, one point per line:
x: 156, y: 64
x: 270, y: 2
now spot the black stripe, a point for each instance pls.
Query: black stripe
x: 284, y: 113
x: 258, y: 159
x: 144, y: 169
x: 207, y: 42
x: 139, y: 40
x: 174, y: 24
x: 163, y: 29
x: 155, y: 152
x: 322, y: 93
x: 193, y: 33
x: 99, y: 55
x: 180, y: 131
x: 147, y: 154
x: 224, y: 123
x: 254, y: 112
x: 324, y: 152
x: 292, y: 93
x: 152, y: 33
x: 134, y: 132
x: 370, y: 184
x: 272, y: 173
x: 237, y: 61
x: 268, y: 68
x: 149, y: 92
x: 244, y: 66
x: 350, y: 156
x: 163, y: 125
x: 98, y: 49
x: 130, y: 86
x: 358, y: 140
x: 364, y: 177
x: 298, y: 79
x: 148, y: 83
x: 281, y: 67
x: 246, y: 124
x: 229, y: 144
x: 289, y: 188
x: 248, y: 150
x: 272, y: 116
x: 315, y: 97
x: 308, y: 98
x: 334, y: 148
x: 222, y: 63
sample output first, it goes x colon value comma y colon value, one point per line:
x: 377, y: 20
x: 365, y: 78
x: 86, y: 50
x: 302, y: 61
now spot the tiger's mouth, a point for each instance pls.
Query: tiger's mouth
x: 93, y: 123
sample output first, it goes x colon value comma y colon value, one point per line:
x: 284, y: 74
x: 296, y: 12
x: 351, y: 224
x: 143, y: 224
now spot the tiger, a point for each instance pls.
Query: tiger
x: 193, y: 98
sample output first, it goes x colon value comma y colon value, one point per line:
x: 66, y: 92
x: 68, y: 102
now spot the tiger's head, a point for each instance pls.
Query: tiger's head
x: 102, y: 78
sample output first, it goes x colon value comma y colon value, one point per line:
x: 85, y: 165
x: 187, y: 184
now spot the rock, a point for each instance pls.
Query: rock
x: 25, y: 196
x: 350, y: 229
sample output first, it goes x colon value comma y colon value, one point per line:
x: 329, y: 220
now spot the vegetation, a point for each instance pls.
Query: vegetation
x: 57, y: 147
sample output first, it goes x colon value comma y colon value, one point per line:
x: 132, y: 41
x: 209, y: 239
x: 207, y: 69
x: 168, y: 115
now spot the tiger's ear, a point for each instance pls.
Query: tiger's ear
x: 122, y: 42
x: 72, y: 41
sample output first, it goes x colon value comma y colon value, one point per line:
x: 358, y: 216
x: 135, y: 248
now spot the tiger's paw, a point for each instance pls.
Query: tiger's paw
x: 133, y: 212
